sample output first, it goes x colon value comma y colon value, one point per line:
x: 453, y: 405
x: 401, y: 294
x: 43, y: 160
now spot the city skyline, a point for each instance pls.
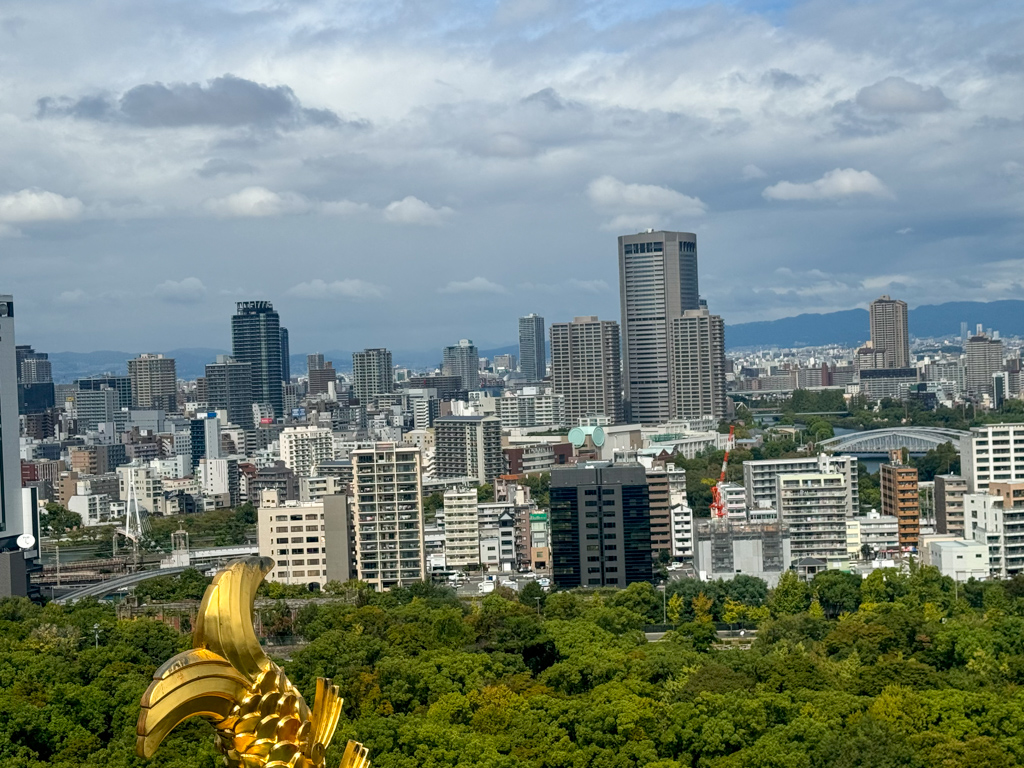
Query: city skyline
x: 810, y: 157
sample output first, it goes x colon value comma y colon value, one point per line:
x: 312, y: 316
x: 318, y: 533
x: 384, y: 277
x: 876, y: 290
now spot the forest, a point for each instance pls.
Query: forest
x: 893, y: 670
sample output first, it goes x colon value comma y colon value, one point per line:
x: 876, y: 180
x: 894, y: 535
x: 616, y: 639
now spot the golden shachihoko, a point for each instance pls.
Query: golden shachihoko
x: 262, y: 721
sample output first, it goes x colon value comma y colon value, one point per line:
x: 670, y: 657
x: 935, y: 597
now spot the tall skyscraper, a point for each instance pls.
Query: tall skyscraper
x: 314, y: 362
x: 463, y: 360
x: 154, y: 382
x: 585, y: 368
x: 984, y: 357
x: 286, y: 362
x: 35, y: 381
x: 698, y: 365
x: 229, y: 388
x: 657, y: 283
x: 532, y: 357
x: 256, y: 340
x: 372, y: 374
x: 889, y: 333
x: 11, y: 522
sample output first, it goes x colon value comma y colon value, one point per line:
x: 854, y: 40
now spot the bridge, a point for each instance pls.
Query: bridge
x: 881, y: 441
x: 105, y: 588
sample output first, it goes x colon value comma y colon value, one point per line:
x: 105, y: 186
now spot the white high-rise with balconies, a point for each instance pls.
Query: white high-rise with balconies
x: 461, y: 528
x: 304, y: 448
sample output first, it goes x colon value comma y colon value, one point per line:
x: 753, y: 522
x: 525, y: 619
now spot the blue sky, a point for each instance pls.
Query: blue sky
x: 408, y: 173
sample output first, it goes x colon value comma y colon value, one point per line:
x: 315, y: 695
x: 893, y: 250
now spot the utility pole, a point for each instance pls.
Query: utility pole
x: 57, y: 546
x: 96, y: 634
x: 538, y: 605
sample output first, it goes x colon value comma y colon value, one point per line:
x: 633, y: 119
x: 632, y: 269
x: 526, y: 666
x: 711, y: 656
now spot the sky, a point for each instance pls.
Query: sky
x: 406, y: 173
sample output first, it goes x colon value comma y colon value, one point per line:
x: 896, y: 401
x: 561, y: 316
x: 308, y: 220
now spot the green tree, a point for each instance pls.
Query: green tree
x: 837, y: 592
x: 790, y: 596
x: 58, y: 520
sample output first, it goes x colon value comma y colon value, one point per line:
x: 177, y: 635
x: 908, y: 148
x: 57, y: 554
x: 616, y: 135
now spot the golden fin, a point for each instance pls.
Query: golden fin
x: 356, y: 756
x: 326, y: 713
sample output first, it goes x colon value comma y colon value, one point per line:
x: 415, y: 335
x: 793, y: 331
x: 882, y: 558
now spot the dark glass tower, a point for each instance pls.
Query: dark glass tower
x: 286, y: 362
x: 532, y: 359
x: 256, y: 340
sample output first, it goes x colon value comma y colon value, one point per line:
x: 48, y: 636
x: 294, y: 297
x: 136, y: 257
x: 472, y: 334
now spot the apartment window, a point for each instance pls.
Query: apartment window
x: 311, y: 517
x: 312, y: 550
x: 312, y: 528
x: 296, y: 528
x: 281, y: 541
x: 313, y: 539
x: 298, y: 551
x: 294, y: 517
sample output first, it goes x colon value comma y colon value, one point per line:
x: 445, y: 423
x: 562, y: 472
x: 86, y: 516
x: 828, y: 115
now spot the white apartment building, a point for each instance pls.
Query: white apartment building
x: 682, y: 532
x: 171, y: 467
x: 734, y: 496
x: 461, y: 528
x: 812, y: 505
x: 303, y: 448
x: 313, y: 489
x: 148, y: 486
x: 530, y: 408
x: 878, y: 531
x: 388, y: 489
x: 759, y: 477
x: 94, y: 509
x: 992, y: 453
x: 309, y: 542
x: 996, y: 519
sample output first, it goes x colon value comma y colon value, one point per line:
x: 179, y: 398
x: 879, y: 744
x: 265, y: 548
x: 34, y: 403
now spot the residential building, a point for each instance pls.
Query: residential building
x: 761, y: 489
x: 532, y: 357
x: 122, y: 385
x: 996, y: 519
x: 880, y: 383
x: 949, y: 504
x: 682, y: 532
x: 256, y: 340
x: 530, y: 408
x: 229, y: 388
x: 657, y: 284
x: 497, y: 532
x: 661, y: 508
x: 36, y: 394
x: 154, y: 383
x: 898, y: 485
x: 880, y: 532
x: 98, y: 406
x: 992, y: 453
x: 310, y: 543
x: 286, y: 354
x: 697, y: 360
x: 812, y: 506
x: 889, y: 332
x: 983, y: 357
x: 505, y: 363
x: 586, y: 370
x: 389, y: 515
x: 463, y: 360
x: 372, y: 374
x: 94, y: 509
x: 600, y: 524
x: 304, y: 448
x: 468, y: 446
x: 316, y: 487
x: 144, y: 481
x: 461, y: 528
x: 322, y: 380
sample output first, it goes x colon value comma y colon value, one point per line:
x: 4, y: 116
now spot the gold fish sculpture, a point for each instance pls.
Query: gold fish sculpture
x: 262, y: 721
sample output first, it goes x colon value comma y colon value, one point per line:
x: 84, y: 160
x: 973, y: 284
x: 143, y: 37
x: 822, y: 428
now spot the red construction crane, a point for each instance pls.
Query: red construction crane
x: 717, y: 503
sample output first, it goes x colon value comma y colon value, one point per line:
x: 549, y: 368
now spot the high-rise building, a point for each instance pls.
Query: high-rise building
x: 286, y: 361
x: 35, y: 381
x: 320, y: 379
x: 657, y: 283
x: 372, y: 374
x: 813, y: 506
x: 661, y: 509
x: 468, y: 446
x: 256, y: 340
x: 315, y: 361
x: 600, y: 525
x: 697, y: 358
x: 122, y: 385
x: 388, y: 487
x: 761, y: 489
x: 12, y: 524
x: 461, y: 528
x: 983, y: 358
x: 889, y: 331
x: 304, y: 448
x: 992, y: 453
x: 229, y: 388
x: 97, y: 406
x: 898, y: 486
x: 997, y: 521
x: 585, y: 368
x: 532, y: 359
x: 154, y: 383
x: 949, y: 504
x: 463, y: 360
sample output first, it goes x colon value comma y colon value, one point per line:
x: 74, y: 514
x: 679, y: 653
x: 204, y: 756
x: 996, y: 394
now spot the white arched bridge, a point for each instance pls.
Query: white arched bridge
x: 914, y: 439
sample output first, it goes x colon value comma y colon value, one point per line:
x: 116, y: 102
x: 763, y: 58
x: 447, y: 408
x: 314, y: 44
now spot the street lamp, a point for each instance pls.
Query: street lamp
x: 96, y: 634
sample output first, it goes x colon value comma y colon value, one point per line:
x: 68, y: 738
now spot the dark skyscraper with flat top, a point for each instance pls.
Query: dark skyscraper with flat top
x: 532, y: 358
x: 256, y: 340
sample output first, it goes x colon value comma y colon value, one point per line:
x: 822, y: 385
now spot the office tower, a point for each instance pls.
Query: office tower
x: 256, y: 340
x: 468, y: 446
x: 997, y: 519
x: 992, y: 453
x: 813, y: 506
x: 463, y: 360
x: 311, y: 543
x: 761, y: 489
x: 657, y: 283
x: 585, y: 368
x: 949, y: 504
x: 154, y: 383
x: 461, y: 528
x: 389, y: 515
x: 122, y: 385
x: 984, y: 357
x: 314, y: 362
x: 697, y: 358
x: 286, y: 362
x: 304, y: 448
x: 600, y: 525
x: 229, y: 388
x: 35, y: 381
x: 898, y: 486
x: 889, y: 332
x: 97, y: 406
x: 321, y: 379
x: 532, y: 359
x: 12, y: 570
x: 505, y: 363
x: 372, y: 374
x: 203, y: 439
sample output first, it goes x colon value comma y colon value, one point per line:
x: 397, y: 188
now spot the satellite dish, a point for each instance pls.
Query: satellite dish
x: 26, y: 541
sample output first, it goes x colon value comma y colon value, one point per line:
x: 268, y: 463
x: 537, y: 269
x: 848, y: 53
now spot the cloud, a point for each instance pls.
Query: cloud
x: 344, y: 208
x: 896, y: 95
x: 638, y: 206
x: 350, y: 288
x: 31, y: 205
x: 190, y: 290
x: 752, y: 172
x: 412, y: 210
x: 217, y: 166
x: 904, y: 230
x: 834, y: 185
x: 76, y: 296
x: 476, y: 285
x: 589, y: 286
x: 258, y: 202
x: 227, y: 101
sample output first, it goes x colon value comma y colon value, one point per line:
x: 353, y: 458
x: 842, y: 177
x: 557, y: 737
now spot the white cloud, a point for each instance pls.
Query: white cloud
x: 836, y: 184
x: 752, y: 172
x: 190, y: 290
x: 258, y: 201
x: 350, y: 288
x: 476, y: 285
x: 77, y: 296
x: 904, y: 230
x: 639, y: 206
x: 344, y: 208
x: 412, y: 210
x: 38, y: 205
x: 894, y: 94
x: 589, y: 286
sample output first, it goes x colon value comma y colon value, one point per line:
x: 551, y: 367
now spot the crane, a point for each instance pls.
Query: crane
x: 717, y: 503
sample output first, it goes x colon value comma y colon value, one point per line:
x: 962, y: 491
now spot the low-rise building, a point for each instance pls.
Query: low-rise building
x: 996, y: 519
x: 311, y: 543
x: 959, y: 559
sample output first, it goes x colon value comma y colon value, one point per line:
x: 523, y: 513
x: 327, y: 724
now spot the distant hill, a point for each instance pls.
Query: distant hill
x: 850, y: 326
x: 68, y: 366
